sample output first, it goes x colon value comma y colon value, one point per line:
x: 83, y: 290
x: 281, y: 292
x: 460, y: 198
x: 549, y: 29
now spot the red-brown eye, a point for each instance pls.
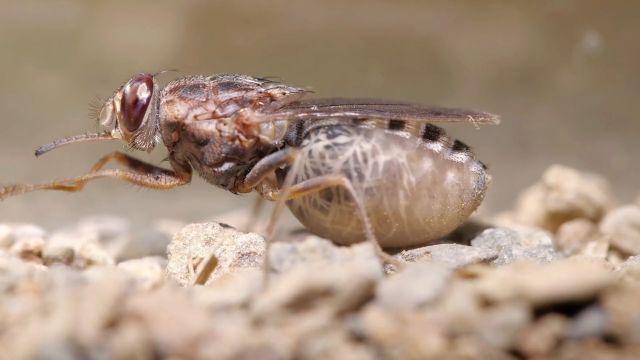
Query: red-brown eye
x: 136, y: 96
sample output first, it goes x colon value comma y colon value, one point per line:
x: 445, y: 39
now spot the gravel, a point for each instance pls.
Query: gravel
x: 556, y: 279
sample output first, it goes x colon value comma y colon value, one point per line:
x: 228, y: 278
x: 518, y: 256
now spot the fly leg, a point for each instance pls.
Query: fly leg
x: 136, y: 172
x: 288, y: 191
x: 261, y: 178
x: 267, y: 188
x: 337, y: 180
x: 258, y: 204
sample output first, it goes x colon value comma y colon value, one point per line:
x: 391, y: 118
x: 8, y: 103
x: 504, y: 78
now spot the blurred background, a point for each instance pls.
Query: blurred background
x: 564, y: 75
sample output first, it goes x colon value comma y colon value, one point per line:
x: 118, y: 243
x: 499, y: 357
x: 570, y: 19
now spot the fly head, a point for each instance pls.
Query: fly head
x: 130, y: 115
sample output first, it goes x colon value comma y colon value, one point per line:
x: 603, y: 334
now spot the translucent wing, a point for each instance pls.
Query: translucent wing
x: 310, y: 109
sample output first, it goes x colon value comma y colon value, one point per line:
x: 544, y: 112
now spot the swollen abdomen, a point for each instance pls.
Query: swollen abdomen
x: 417, y: 185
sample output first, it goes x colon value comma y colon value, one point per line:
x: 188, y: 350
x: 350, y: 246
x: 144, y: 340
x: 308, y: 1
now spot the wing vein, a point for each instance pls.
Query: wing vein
x: 314, y: 109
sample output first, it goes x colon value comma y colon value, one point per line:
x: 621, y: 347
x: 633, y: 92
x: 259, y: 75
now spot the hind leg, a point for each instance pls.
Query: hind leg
x: 288, y: 157
x: 336, y: 180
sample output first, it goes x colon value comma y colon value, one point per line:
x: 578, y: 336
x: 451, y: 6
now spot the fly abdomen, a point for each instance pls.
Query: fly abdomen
x: 416, y: 183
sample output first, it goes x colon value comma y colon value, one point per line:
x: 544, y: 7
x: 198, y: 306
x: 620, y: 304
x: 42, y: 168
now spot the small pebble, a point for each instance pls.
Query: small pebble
x: 623, y: 314
x: 5, y: 236
x: 418, y: 284
x: 588, y: 323
x: 322, y: 287
x: 622, y: 225
x: 27, y: 234
x: 453, y: 255
x: 630, y: 270
x: 310, y: 249
x: 572, y: 236
x: 511, y: 245
x: 196, y: 242
x: 58, y: 255
x: 148, y: 271
x: 502, y: 325
x: 564, y: 194
x: 597, y: 248
x: 567, y: 280
x: 28, y: 248
x: 541, y: 337
x: 93, y: 254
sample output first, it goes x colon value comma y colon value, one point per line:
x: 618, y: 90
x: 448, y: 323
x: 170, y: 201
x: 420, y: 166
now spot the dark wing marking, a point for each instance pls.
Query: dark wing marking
x: 310, y: 109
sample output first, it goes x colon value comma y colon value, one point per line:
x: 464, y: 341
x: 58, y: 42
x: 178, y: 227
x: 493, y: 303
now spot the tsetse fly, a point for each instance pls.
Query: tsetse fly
x: 349, y: 169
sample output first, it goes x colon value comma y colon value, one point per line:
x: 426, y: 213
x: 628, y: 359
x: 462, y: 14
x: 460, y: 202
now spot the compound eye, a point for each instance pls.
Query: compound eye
x: 136, y: 96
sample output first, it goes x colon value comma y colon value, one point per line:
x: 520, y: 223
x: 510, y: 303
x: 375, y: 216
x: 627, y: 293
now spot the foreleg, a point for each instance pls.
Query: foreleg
x: 136, y: 172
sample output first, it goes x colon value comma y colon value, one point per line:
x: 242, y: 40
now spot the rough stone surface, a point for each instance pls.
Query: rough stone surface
x: 92, y: 254
x: 630, y: 270
x: 58, y: 255
x: 5, y: 235
x: 196, y: 242
x: 148, y: 271
x: 573, y: 279
x: 622, y: 225
x: 231, y: 290
x: 453, y: 255
x: 502, y: 325
x: 28, y: 248
x: 599, y: 248
x: 416, y: 285
x: 561, y: 195
x: 320, y: 287
x: 623, y: 314
x: 400, y: 334
x: 588, y: 323
x: 543, y: 336
x: 310, y: 249
x: 511, y: 245
x: 575, y: 236
x: 88, y: 291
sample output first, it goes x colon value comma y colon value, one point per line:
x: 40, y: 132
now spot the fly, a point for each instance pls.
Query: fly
x: 349, y: 169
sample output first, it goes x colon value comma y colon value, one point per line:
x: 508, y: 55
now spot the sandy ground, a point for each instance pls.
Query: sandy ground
x: 556, y: 277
